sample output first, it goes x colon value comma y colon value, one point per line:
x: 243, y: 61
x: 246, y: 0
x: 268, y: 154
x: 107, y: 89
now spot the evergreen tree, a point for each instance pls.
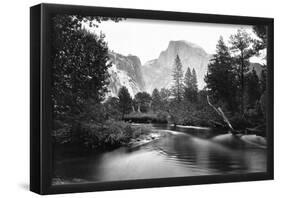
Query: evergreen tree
x: 263, y: 81
x: 220, y: 79
x: 164, y: 95
x: 156, y: 100
x: 191, y: 85
x: 188, y: 78
x: 241, y: 46
x: 178, y: 87
x: 188, y: 85
x: 194, y: 81
x: 125, y: 101
x: 253, y: 88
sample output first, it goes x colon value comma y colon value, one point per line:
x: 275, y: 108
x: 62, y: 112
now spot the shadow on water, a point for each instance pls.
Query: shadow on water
x: 180, y: 152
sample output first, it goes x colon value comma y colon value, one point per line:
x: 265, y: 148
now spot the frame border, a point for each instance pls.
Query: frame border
x: 40, y: 102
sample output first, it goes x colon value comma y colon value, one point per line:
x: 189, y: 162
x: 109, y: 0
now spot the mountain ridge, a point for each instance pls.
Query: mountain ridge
x: 125, y: 71
x: 157, y: 72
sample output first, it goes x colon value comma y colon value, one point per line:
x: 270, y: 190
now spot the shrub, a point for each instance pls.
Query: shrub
x: 239, y: 122
x: 162, y: 116
x: 140, y: 130
x: 108, y: 135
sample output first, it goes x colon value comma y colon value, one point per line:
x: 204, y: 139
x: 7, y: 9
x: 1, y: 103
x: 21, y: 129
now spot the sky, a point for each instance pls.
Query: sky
x: 147, y: 38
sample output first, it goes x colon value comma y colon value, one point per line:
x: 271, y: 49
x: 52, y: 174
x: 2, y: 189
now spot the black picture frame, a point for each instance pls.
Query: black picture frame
x: 40, y: 102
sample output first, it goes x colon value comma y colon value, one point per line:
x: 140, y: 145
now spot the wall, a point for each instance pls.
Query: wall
x: 14, y: 104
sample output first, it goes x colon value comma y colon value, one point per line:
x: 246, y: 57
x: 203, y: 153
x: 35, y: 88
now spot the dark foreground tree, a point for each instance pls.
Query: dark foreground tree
x: 125, y: 101
x: 241, y: 46
x: 80, y: 63
x: 220, y: 79
x: 253, y: 88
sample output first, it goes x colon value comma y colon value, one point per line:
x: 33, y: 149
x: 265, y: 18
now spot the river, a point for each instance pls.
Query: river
x: 181, y: 152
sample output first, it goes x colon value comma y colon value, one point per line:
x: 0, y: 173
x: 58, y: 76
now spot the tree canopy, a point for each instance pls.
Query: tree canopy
x: 125, y: 101
x: 220, y: 79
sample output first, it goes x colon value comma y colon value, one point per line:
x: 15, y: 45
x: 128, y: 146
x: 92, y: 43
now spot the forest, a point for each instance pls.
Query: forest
x: 85, y: 117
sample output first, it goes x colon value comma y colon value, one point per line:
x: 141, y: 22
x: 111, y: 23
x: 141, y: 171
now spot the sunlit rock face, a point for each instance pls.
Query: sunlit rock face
x: 157, y: 73
x: 125, y: 71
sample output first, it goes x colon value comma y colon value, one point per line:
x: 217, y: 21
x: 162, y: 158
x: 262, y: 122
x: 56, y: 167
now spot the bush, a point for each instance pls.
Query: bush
x: 239, y: 122
x: 162, y: 116
x: 111, y: 134
x: 149, y: 117
x: 140, y: 130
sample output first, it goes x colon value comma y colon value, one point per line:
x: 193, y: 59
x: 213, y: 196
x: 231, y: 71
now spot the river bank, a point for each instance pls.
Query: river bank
x: 167, y: 152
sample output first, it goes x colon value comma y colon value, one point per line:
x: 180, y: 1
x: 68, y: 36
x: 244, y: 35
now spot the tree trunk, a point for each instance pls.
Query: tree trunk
x: 221, y: 113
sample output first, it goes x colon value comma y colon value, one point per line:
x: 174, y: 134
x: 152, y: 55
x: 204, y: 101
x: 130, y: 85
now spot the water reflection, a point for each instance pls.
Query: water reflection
x: 182, y: 152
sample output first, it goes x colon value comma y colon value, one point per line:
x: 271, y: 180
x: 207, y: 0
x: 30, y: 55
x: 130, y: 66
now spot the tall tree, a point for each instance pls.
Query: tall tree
x: 165, y: 94
x: 194, y: 81
x: 125, y: 101
x: 79, y: 65
x: 178, y: 87
x: 188, y: 78
x: 241, y: 46
x: 220, y: 79
x: 253, y: 88
x: 190, y: 85
x: 156, y: 100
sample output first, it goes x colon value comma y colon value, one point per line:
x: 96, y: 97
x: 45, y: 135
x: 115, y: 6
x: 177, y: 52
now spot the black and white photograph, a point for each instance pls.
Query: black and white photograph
x: 147, y: 99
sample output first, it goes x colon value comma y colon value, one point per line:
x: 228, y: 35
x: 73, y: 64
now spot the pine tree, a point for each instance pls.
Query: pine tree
x: 241, y: 46
x: 191, y: 87
x: 178, y: 87
x: 220, y: 79
x: 194, y: 80
x: 156, y: 100
x: 125, y: 101
x: 253, y: 88
x: 187, y: 78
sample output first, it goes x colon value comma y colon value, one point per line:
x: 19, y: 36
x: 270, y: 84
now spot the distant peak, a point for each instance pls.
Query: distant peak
x: 184, y: 42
